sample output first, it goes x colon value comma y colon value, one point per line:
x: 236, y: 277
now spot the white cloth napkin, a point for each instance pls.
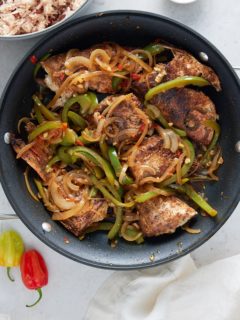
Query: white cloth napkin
x: 175, y: 291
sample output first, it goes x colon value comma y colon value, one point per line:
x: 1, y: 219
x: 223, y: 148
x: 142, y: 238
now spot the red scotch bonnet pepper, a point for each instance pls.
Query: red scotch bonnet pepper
x: 34, y: 272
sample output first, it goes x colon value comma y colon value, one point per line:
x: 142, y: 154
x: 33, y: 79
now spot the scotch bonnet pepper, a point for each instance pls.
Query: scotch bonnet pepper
x: 11, y: 250
x: 34, y: 272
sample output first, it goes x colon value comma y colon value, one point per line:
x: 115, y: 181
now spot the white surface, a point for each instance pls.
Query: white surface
x: 72, y: 285
x: 174, y: 291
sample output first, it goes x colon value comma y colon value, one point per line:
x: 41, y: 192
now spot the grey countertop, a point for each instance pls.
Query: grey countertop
x: 72, y: 285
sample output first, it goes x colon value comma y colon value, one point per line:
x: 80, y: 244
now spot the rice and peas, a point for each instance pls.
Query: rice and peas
x: 27, y: 16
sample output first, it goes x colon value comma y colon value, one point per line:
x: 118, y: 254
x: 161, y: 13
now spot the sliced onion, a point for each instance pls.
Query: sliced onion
x: 179, y: 168
x: 80, y: 178
x: 72, y: 53
x: 22, y: 120
x: 215, y: 165
x: 165, y: 136
x: 107, y: 112
x: 76, y: 210
x: 166, y: 174
x: 103, y: 62
x: 144, y: 132
x: 124, y: 234
x: 132, y: 157
x: 138, y: 60
x: 174, y: 140
x: 145, y: 53
x: 24, y: 149
x: 29, y: 188
x: 146, y: 170
x: 61, y: 89
x: 112, y: 131
x: 100, y: 127
x: 170, y: 138
x: 123, y: 173
x: 103, y: 65
x: 115, y: 56
x: 75, y: 63
x: 61, y: 202
x: 191, y: 230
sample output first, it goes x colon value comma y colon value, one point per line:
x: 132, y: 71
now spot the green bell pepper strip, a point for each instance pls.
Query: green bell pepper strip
x: 51, y: 162
x: 76, y: 119
x: 38, y: 114
x: 43, y: 127
x: 93, y: 192
x: 64, y: 156
x: 155, y: 114
x: 132, y: 232
x: 82, y: 141
x: 96, y: 159
x: 153, y: 48
x: 11, y: 250
x: 109, y: 196
x: 176, y: 83
x: 88, y: 135
x: 98, y: 172
x: 152, y: 194
x: 112, y: 154
x: 116, y: 193
x: 116, y: 81
x: 103, y: 147
x: 215, y: 126
x: 40, y: 188
x: 195, y: 197
x: 69, y: 138
x: 49, y: 115
x: 87, y: 101
x: 114, y: 231
x: 38, y: 65
x: 94, y: 103
x: 102, y: 226
x: 185, y: 168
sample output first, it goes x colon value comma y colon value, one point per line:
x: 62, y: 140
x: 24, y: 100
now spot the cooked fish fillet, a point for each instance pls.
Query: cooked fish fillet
x: 151, y: 159
x: 188, y: 109
x: 36, y: 157
x: 163, y: 215
x: 78, y: 224
x: 184, y: 64
x: 149, y: 80
x: 125, y: 116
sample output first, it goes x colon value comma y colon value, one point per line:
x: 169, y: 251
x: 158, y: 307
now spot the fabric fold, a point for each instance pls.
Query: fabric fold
x: 177, y: 290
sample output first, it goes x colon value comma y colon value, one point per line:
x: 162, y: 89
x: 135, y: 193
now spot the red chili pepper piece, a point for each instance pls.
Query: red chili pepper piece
x: 135, y: 76
x: 34, y: 272
x: 79, y: 143
x: 64, y: 126
x: 120, y: 67
x: 62, y: 76
x: 124, y: 84
x: 33, y: 59
x: 178, y: 153
x: 142, y: 127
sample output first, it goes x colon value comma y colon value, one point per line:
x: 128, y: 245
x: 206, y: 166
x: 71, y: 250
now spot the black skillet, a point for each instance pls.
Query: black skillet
x: 131, y: 29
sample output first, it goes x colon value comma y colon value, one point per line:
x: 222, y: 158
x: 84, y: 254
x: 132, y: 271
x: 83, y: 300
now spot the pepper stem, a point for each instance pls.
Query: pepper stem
x: 9, y: 274
x: 39, y: 290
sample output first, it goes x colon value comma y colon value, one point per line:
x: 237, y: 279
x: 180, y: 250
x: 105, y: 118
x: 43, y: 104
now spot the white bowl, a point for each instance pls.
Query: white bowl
x: 48, y: 29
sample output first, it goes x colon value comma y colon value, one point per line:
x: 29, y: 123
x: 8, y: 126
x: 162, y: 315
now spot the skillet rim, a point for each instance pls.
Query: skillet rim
x: 13, y: 202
